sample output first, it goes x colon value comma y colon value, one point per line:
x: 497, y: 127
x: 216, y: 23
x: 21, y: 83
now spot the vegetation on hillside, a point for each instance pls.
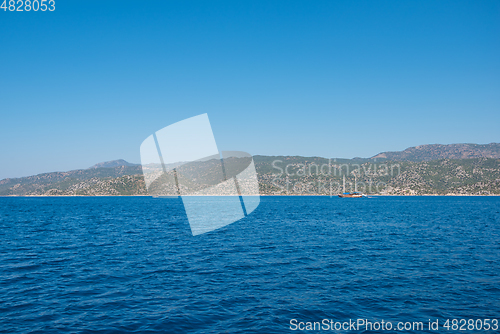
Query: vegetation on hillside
x: 292, y: 176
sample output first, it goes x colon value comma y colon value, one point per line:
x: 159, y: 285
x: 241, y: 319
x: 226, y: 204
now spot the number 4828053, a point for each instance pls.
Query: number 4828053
x: 28, y: 5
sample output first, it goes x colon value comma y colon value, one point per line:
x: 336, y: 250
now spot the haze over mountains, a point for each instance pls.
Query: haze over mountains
x: 114, y: 163
x: 425, y: 169
x: 417, y: 153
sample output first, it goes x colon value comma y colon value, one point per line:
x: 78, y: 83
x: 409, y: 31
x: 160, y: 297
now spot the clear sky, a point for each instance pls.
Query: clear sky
x: 90, y: 81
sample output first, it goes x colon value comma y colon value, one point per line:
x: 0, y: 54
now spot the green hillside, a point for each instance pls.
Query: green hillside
x: 295, y: 175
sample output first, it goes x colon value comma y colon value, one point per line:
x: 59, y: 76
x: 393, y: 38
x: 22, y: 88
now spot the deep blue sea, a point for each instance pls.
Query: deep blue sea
x: 130, y: 264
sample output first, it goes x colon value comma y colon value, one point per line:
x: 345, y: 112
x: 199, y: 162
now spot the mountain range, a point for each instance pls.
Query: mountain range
x: 466, y: 169
x: 114, y: 163
x: 437, y: 151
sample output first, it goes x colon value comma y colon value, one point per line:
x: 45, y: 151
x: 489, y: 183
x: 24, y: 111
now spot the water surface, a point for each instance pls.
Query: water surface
x: 130, y: 264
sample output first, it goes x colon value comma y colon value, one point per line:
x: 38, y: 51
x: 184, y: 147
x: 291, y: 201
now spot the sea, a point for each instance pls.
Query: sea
x: 296, y: 264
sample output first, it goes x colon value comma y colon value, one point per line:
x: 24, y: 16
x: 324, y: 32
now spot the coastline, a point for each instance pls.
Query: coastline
x: 263, y: 195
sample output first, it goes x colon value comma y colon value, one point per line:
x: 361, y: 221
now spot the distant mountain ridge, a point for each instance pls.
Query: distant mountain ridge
x: 467, y: 169
x: 113, y: 164
x: 438, y: 151
x: 41, y: 183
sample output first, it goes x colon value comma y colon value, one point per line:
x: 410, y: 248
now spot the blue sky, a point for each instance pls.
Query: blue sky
x: 90, y: 81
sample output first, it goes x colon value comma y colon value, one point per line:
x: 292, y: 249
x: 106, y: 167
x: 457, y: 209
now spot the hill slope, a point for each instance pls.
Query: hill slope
x: 59, y: 182
x: 114, y: 163
x: 438, y: 151
x: 467, y: 169
x: 292, y: 176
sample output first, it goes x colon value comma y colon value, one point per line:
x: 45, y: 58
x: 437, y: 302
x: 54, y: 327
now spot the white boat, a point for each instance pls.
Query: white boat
x: 354, y: 194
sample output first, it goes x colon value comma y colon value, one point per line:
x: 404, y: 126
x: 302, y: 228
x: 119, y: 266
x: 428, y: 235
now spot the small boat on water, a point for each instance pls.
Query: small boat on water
x: 354, y: 194
x: 351, y: 195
